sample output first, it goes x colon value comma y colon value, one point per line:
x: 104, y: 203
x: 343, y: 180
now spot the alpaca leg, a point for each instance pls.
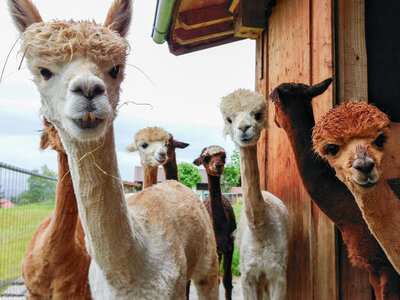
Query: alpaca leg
x: 187, y: 290
x: 389, y: 282
x: 249, y: 287
x: 277, y: 287
x: 207, y: 287
x: 228, y: 274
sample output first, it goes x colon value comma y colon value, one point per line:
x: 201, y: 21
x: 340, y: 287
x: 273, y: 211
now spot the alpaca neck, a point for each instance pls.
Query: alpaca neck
x: 218, y: 215
x: 318, y: 177
x: 65, y: 216
x: 149, y: 176
x: 109, y: 228
x: 253, y: 200
x: 381, y: 210
x: 171, y: 169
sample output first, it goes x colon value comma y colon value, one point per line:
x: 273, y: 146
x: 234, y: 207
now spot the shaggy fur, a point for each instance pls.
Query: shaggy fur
x: 150, y: 249
x: 358, y: 162
x: 220, y: 210
x: 293, y: 112
x: 263, y: 230
x: 55, y: 263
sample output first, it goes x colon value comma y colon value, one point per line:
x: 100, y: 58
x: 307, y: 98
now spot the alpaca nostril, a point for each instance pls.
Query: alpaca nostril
x: 89, y: 93
x: 364, y: 165
x: 244, y: 128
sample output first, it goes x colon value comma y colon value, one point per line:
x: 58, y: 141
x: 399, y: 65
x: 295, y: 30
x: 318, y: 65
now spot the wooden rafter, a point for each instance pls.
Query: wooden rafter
x: 204, y: 17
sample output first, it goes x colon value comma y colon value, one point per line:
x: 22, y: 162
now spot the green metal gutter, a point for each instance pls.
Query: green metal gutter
x: 162, y: 20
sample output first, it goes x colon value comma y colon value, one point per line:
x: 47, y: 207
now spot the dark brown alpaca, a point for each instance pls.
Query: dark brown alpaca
x: 293, y: 112
x: 170, y: 166
x: 220, y: 210
x: 55, y: 263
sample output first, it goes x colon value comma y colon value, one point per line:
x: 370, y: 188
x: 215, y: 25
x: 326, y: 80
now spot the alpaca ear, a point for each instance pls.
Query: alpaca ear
x: 274, y: 95
x: 177, y: 144
x: 197, y: 161
x: 44, y: 140
x: 131, y: 147
x: 119, y: 16
x: 318, y: 89
x: 24, y: 13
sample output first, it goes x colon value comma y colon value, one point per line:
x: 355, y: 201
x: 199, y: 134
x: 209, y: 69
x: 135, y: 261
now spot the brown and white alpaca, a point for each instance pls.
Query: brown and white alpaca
x: 55, y: 263
x: 220, y: 210
x: 156, y: 147
x: 294, y: 113
x: 263, y: 229
x: 352, y: 138
x: 151, y: 248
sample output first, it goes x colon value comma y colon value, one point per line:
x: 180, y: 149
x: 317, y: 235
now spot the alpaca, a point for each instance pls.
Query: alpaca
x: 293, y: 113
x: 55, y: 263
x: 220, y: 210
x: 263, y: 230
x: 156, y: 147
x: 151, y: 248
x: 352, y: 138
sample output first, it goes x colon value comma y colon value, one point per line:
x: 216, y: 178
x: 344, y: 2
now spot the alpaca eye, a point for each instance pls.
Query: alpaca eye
x: 206, y: 159
x: 229, y: 120
x: 114, y: 72
x: 258, y: 116
x: 46, y: 73
x: 332, y: 149
x: 380, y: 140
x: 144, y: 145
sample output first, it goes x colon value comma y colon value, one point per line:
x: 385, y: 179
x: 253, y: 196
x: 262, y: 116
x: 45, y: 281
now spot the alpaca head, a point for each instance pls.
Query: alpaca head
x: 155, y: 145
x: 213, y: 160
x: 351, y: 137
x: 287, y: 97
x: 77, y: 66
x: 50, y: 137
x: 244, y: 116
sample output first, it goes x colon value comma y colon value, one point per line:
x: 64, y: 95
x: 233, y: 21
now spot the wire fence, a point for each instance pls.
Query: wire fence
x: 26, y: 198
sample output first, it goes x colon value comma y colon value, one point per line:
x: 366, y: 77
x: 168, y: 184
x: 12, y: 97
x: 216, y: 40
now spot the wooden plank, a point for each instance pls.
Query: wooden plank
x: 205, y: 16
x: 184, y: 37
x: 325, y: 283
x: 288, y: 61
x: 249, y: 19
x: 352, y: 53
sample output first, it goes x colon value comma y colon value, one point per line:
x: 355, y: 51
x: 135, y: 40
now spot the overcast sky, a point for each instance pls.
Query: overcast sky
x: 185, y: 95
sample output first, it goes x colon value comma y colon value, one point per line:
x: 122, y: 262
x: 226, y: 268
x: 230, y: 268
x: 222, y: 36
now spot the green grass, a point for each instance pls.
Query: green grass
x: 17, y: 225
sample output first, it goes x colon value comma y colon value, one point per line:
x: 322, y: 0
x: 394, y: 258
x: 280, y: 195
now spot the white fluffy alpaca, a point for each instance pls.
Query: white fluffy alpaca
x: 263, y: 230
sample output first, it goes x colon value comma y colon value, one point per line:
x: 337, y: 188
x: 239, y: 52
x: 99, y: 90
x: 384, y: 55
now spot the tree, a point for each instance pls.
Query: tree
x: 40, y: 189
x: 188, y: 174
x: 231, y: 175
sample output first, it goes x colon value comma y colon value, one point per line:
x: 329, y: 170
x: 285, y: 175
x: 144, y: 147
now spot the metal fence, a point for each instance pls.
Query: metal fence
x: 26, y: 198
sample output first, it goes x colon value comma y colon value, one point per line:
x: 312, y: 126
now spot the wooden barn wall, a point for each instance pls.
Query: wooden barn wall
x: 299, y: 46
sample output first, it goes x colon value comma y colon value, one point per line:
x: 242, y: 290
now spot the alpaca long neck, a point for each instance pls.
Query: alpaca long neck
x: 65, y: 216
x: 218, y: 215
x: 381, y: 210
x: 253, y: 199
x: 318, y: 177
x: 111, y: 238
x: 149, y: 176
x: 171, y: 169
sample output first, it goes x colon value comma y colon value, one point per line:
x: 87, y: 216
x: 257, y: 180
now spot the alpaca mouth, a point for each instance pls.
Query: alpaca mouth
x: 367, y: 185
x: 88, y: 122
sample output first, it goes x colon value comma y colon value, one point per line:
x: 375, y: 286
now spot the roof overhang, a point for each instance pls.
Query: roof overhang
x: 191, y: 25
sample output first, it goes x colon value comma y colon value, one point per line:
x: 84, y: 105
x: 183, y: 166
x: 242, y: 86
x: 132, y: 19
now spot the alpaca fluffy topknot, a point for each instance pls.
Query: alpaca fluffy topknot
x: 242, y: 100
x: 348, y: 121
x: 211, y: 150
x: 61, y: 40
x: 152, y: 134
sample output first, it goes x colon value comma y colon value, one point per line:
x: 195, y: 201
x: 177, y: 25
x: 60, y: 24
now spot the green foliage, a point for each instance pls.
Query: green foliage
x: 188, y: 174
x: 40, y: 189
x: 231, y: 175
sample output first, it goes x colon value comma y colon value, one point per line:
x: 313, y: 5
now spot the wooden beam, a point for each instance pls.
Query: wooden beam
x: 352, y: 51
x: 233, y: 5
x: 249, y: 19
x: 204, y: 16
x: 184, y: 37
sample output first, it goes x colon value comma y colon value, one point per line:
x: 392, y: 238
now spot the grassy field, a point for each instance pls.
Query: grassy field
x: 17, y: 225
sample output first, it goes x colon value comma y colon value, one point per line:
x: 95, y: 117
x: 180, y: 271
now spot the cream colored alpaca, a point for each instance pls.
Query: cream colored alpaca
x: 151, y: 248
x: 353, y: 138
x: 263, y: 229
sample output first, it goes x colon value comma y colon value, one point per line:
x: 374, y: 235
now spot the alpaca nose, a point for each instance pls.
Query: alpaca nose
x: 243, y: 128
x: 364, y: 165
x: 89, y: 91
x: 162, y: 155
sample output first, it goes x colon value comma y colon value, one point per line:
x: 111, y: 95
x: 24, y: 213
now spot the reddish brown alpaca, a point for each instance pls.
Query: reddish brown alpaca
x: 220, y: 210
x: 170, y: 166
x: 293, y: 112
x: 56, y: 264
